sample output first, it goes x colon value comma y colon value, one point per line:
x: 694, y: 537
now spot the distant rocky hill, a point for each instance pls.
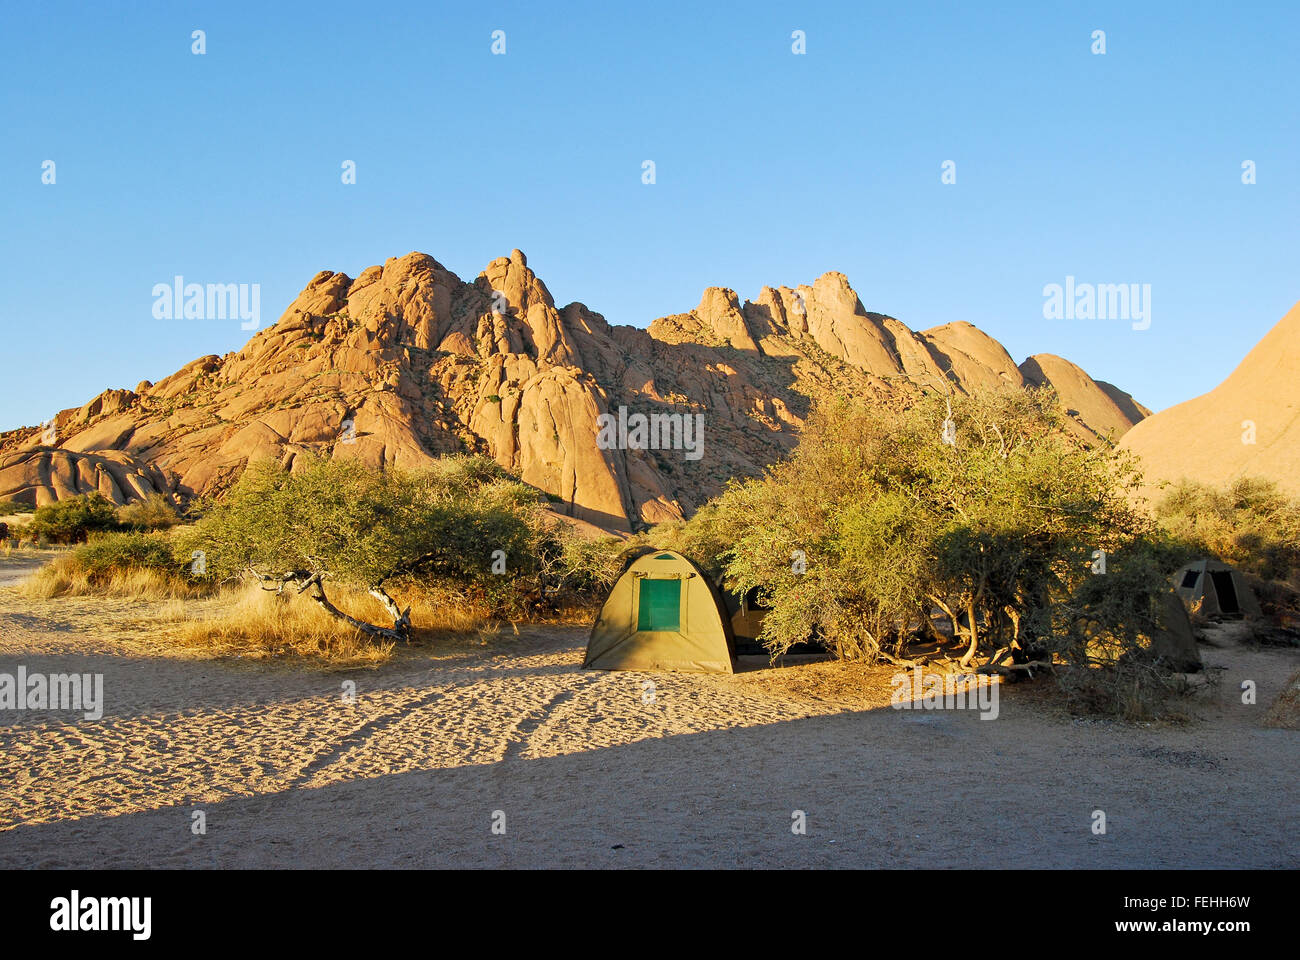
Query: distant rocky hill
x: 1249, y: 425
x: 407, y: 362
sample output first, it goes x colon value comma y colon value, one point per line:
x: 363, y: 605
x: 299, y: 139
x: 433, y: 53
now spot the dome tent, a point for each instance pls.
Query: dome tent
x: 1215, y: 589
x: 663, y: 613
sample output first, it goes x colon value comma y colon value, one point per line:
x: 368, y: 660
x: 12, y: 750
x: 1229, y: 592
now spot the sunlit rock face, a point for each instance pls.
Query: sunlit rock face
x: 408, y: 362
x: 1247, y: 426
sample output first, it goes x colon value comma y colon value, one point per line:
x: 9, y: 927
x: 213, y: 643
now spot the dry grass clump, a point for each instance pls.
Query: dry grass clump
x: 256, y: 623
x: 66, y: 576
x: 1285, y: 712
x: 435, y: 610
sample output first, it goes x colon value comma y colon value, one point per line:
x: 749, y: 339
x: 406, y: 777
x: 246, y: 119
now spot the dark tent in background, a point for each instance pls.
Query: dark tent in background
x: 1213, y: 589
x: 746, y: 613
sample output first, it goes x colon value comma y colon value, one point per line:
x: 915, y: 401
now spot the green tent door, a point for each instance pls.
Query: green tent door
x: 660, y: 605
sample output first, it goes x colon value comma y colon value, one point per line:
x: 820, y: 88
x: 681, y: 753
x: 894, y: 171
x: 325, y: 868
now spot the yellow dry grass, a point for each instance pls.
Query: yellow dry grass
x: 1285, y: 712
x: 62, y: 577
x: 254, y: 623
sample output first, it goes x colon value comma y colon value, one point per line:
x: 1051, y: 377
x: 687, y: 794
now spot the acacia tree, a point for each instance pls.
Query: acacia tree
x: 332, y: 521
x: 985, y: 507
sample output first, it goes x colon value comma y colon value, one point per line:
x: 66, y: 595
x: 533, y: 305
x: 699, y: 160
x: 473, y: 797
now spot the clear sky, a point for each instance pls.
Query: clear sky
x: 771, y: 167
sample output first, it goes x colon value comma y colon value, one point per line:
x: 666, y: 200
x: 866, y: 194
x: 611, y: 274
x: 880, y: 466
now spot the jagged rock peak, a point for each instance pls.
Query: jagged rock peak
x: 407, y: 362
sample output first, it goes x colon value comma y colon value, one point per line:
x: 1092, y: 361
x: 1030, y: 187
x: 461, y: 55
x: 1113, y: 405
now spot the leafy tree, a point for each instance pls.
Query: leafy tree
x: 73, y: 520
x: 333, y: 521
x: 883, y: 514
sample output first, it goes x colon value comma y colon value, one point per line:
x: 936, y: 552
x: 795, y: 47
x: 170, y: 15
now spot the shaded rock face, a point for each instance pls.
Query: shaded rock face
x: 1249, y: 425
x: 407, y: 362
x: 1096, y: 409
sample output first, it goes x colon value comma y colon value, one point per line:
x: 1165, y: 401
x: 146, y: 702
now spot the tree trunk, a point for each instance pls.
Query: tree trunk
x: 306, y: 581
x: 1014, y: 615
x: 952, y: 617
x: 401, y: 618
x: 318, y: 594
x: 974, y: 635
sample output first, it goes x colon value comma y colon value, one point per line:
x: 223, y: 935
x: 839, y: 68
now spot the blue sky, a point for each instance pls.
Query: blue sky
x: 771, y: 167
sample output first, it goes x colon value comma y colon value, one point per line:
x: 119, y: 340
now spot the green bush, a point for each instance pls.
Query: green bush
x: 112, y: 553
x: 131, y: 564
x: 1250, y: 524
x: 74, y: 519
x: 8, y: 507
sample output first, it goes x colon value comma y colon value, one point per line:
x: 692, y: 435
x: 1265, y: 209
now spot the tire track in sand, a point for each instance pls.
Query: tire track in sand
x: 363, y: 734
x: 518, y: 737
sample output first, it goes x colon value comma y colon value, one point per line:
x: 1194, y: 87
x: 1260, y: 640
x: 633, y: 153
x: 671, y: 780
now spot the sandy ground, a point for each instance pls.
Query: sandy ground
x: 585, y: 772
x: 20, y: 564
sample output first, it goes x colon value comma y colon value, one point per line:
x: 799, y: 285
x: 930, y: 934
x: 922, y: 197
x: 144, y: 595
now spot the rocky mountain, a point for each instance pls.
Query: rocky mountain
x: 407, y: 362
x: 1249, y: 425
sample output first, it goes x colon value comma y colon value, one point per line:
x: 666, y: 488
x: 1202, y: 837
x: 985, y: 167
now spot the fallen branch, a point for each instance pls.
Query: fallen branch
x: 318, y: 594
x: 401, y: 618
x: 1011, y: 669
x: 306, y: 580
x: 898, y: 661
